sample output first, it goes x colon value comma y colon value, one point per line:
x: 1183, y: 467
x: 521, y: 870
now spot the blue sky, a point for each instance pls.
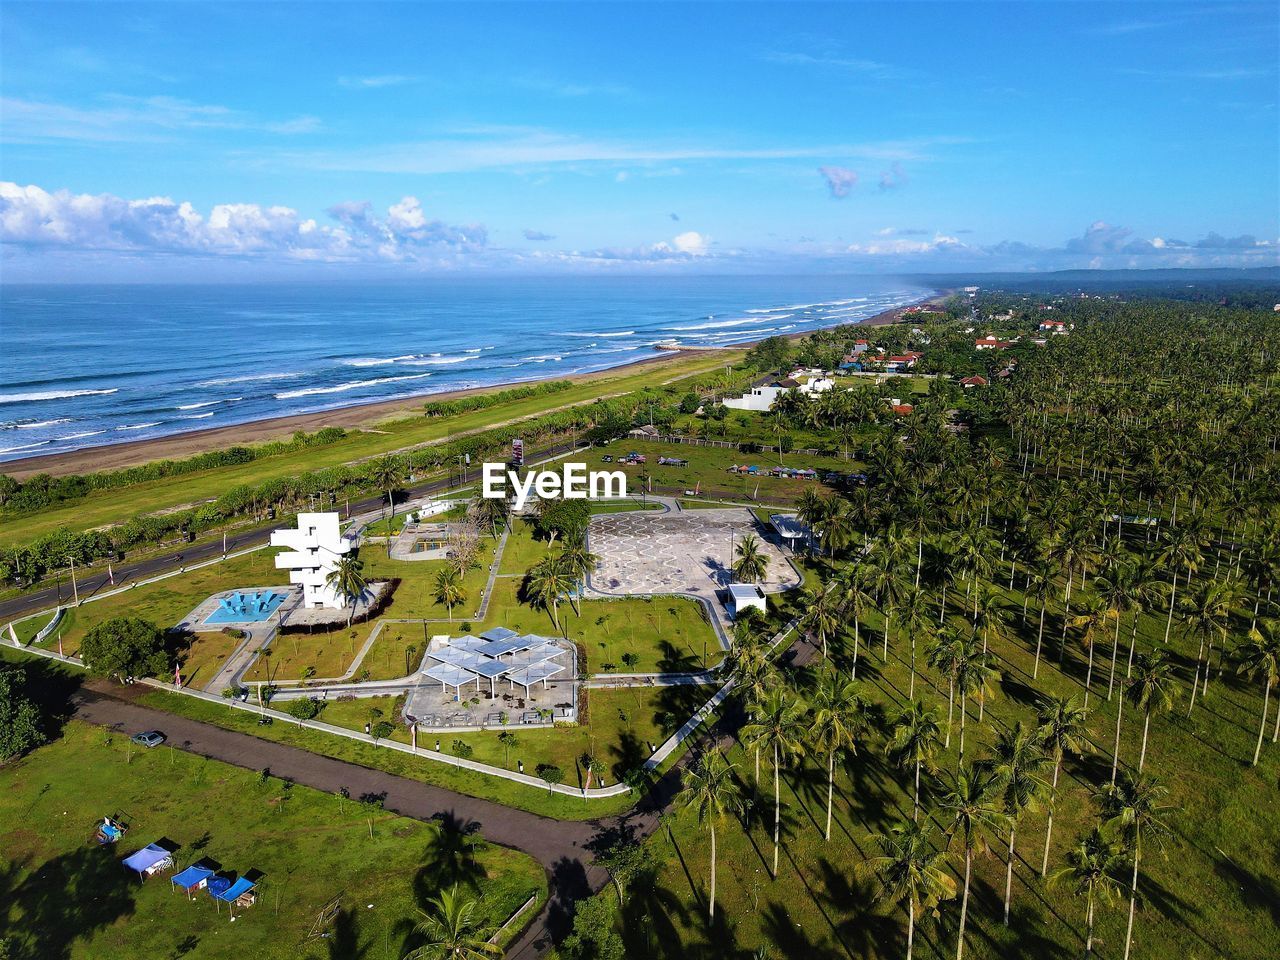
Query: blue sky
x: 178, y: 141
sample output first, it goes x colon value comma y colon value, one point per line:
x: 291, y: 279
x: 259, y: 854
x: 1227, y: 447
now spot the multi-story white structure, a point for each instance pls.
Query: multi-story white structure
x: 313, y: 552
x: 761, y: 399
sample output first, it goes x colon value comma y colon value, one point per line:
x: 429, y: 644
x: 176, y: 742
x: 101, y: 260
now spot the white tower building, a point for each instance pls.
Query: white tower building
x: 313, y: 552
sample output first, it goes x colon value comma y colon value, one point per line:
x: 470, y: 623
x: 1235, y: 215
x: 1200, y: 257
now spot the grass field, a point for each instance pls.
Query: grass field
x: 480, y: 785
x: 1210, y: 892
x: 67, y: 898
x: 708, y: 467
x: 114, y: 506
x: 622, y: 730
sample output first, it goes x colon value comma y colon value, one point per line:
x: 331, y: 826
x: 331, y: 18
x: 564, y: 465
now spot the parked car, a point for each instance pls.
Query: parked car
x: 148, y: 738
x: 606, y: 459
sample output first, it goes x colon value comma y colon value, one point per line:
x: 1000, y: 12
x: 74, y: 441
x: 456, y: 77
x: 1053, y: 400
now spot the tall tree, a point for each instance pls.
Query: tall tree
x: 1018, y: 760
x: 1152, y: 689
x: 1259, y: 656
x: 971, y: 799
x: 750, y: 563
x: 1135, y: 808
x: 1063, y: 732
x: 347, y: 580
x: 914, y: 743
x: 709, y: 789
x: 908, y: 870
x: 838, y: 721
x: 1092, y: 865
x: 778, y: 727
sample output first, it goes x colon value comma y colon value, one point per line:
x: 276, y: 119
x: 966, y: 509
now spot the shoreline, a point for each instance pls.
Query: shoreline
x: 176, y: 446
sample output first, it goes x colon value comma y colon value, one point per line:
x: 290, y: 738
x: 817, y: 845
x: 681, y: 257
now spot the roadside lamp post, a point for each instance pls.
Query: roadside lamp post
x: 74, y: 589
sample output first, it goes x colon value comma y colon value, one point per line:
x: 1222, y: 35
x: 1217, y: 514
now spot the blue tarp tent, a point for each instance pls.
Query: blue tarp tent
x: 150, y: 859
x: 234, y: 892
x: 192, y: 878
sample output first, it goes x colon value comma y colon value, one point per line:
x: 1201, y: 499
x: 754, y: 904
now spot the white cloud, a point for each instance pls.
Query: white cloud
x: 692, y: 243
x: 840, y: 180
x: 894, y: 177
x: 894, y: 245
x: 132, y: 119
x: 31, y: 217
x: 378, y: 81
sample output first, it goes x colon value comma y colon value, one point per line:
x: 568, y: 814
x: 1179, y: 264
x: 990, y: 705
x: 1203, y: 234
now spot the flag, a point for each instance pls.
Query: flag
x: 177, y: 676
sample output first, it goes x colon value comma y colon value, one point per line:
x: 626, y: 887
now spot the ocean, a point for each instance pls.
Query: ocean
x: 83, y: 366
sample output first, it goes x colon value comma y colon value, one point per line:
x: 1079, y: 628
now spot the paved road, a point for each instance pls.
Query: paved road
x: 125, y: 573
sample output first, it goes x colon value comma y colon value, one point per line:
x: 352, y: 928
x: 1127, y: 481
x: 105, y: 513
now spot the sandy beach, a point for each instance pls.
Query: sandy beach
x: 177, y: 446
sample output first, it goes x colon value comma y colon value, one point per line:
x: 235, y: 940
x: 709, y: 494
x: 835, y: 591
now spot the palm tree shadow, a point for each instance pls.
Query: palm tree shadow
x: 344, y: 938
x: 450, y: 858
x: 65, y: 900
x: 864, y: 929
x: 791, y: 939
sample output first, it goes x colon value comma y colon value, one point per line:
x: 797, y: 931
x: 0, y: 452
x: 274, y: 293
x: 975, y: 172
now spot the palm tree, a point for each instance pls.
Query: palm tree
x: 822, y: 614
x: 974, y: 676
x: 971, y: 800
x: 1091, y: 870
x: 1209, y: 613
x: 449, y: 588
x: 751, y: 564
x: 914, y: 619
x: 838, y: 721
x: 838, y: 527
x: 1181, y: 551
x: 1040, y: 585
x: 989, y: 616
x: 547, y: 581
x: 1018, y: 759
x: 943, y: 655
x: 385, y: 472
x: 888, y: 584
x: 491, y: 512
x: 1119, y: 590
x: 1062, y: 731
x: 1133, y: 806
x: 1152, y: 688
x: 856, y: 597
x: 1093, y: 617
x: 778, y: 727
x: 709, y: 789
x: 1259, y: 655
x: 451, y: 931
x: 347, y: 580
x: 909, y: 870
x: 914, y: 743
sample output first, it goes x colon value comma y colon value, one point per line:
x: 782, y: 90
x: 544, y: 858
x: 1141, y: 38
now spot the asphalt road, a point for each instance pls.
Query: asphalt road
x: 126, y: 572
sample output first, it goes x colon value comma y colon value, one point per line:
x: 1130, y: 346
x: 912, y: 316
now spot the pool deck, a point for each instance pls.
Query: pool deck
x: 197, y: 620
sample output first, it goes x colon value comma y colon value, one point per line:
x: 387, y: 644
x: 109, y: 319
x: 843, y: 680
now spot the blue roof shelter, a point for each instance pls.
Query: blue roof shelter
x: 150, y: 860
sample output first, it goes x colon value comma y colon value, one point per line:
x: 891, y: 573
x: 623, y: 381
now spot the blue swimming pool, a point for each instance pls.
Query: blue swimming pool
x: 246, y: 606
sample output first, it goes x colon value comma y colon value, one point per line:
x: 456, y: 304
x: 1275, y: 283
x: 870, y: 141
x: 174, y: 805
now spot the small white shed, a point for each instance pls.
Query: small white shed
x: 745, y: 596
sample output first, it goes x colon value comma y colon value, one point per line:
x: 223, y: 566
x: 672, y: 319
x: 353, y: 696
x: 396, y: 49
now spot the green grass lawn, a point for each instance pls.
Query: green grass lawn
x: 708, y: 467
x: 480, y: 785
x: 167, y: 601
x: 66, y: 897
x: 623, y: 728
x: 114, y: 506
x: 1210, y: 892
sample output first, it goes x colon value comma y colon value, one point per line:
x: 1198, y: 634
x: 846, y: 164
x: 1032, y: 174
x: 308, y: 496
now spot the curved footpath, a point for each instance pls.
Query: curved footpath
x: 561, y: 846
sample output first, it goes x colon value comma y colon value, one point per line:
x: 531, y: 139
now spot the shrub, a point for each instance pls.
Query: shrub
x: 304, y: 708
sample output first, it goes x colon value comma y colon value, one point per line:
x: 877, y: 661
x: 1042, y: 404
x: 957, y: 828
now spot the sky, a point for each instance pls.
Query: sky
x: 238, y: 141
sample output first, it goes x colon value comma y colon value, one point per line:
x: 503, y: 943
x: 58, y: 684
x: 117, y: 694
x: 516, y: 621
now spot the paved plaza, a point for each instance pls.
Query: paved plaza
x: 683, y: 551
